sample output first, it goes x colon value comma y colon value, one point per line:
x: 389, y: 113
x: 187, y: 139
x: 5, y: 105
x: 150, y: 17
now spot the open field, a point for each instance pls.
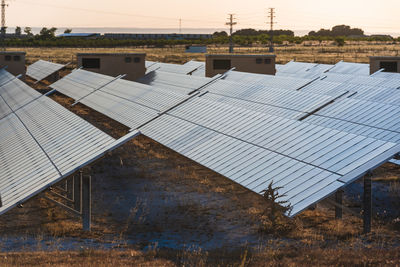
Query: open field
x: 154, y: 207
x: 328, y: 54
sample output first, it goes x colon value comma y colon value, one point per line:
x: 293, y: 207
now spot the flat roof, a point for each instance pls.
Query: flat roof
x: 385, y: 57
x: 12, y: 53
x: 111, y: 54
x: 238, y: 55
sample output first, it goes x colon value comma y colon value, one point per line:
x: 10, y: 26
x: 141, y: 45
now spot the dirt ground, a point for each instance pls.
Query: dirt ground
x: 154, y: 207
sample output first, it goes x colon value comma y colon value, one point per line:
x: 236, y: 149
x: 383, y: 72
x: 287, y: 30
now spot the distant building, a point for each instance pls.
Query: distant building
x: 218, y: 64
x: 80, y: 35
x: 114, y: 64
x: 196, y: 49
x: 156, y: 36
x: 14, y: 62
x: 387, y: 63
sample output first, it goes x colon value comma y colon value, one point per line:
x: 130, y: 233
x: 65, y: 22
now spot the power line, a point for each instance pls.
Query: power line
x: 231, y: 23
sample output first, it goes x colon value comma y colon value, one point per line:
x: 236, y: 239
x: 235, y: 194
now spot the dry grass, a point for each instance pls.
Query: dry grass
x: 326, y: 53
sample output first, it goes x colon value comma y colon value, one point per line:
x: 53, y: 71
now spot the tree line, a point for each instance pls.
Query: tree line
x: 244, y: 37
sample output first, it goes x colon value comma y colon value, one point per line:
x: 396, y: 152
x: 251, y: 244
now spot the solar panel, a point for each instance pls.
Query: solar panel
x: 174, y: 68
x: 376, y: 120
x: 42, y: 69
x: 293, y: 100
x: 254, y: 149
x: 129, y: 103
x: 173, y: 81
x: 303, y: 70
x: 279, y: 82
x: 41, y: 143
x: 227, y: 128
x: 351, y: 68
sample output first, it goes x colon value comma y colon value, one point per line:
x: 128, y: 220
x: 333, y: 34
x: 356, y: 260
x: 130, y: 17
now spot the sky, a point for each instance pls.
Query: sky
x: 372, y: 16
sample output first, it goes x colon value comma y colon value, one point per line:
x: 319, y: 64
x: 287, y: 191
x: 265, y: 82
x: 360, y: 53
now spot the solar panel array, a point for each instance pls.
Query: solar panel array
x: 247, y: 128
x: 187, y: 68
x: 41, y: 69
x: 41, y: 142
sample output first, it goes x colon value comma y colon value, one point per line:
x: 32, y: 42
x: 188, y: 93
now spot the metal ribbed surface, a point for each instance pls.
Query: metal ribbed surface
x: 228, y: 128
x: 15, y: 92
x: 303, y: 70
x: 351, y: 68
x: 42, y: 143
x: 254, y: 149
x: 129, y: 103
x: 292, y: 100
x: 173, y: 81
x: 271, y: 81
x: 173, y: 68
x: 42, y: 69
x: 377, y: 120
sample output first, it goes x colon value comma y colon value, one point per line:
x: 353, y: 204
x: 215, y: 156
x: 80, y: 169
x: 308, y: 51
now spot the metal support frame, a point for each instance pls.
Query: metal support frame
x: 86, y: 204
x: 367, y: 203
x: 339, y: 201
x: 77, y: 196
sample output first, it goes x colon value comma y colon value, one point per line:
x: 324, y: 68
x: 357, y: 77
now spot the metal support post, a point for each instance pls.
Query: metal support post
x: 339, y: 201
x: 86, y: 205
x: 78, y: 192
x: 367, y: 203
x: 70, y: 188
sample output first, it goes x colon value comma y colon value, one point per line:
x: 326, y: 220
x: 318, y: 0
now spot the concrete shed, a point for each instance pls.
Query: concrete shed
x: 389, y: 64
x: 114, y: 64
x: 14, y: 61
x: 218, y: 64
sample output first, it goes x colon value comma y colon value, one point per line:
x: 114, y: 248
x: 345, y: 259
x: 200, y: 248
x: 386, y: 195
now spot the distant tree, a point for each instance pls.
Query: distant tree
x: 3, y: 31
x: 28, y: 31
x: 46, y: 33
x: 220, y: 34
x: 340, y: 41
x: 339, y: 30
x: 18, y: 31
x: 68, y: 31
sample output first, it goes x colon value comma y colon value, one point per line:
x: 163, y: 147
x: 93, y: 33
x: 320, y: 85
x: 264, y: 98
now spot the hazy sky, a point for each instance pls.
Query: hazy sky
x: 373, y: 16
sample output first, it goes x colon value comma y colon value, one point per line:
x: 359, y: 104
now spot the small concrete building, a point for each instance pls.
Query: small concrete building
x: 14, y: 61
x: 389, y: 64
x: 218, y: 64
x: 114, y: 64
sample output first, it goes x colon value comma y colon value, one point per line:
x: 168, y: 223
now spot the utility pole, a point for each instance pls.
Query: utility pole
x: 180, y: 25
x: 271, y: 16
x: 3, y: 22
x: 231, y: 23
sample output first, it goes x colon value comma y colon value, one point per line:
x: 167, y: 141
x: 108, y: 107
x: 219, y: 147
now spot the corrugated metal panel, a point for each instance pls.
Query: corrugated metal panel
x: 15, y: 93
x: 296, y: 67
x: 351, y: 68
x: 377, y: 94
x: 387, y: 75
x: 173, y: 81
x: 40, y: 144
x: 395, y: 161
x: 129, y: 103
x: 42, y: 69
x: 254, y: 149
x: 324, y: 88
x: 303, y: 70
x: 376, y: 120
x: 173, y: 68
x: 244, y: 143
x: 292, y: 100
x: 271, y: 81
